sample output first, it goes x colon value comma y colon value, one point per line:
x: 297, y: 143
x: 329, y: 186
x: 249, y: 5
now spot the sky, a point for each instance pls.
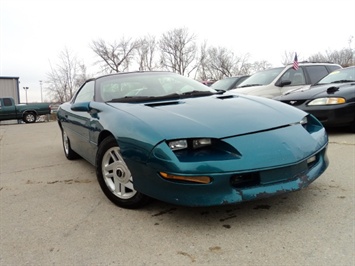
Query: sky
x: 34, y: 32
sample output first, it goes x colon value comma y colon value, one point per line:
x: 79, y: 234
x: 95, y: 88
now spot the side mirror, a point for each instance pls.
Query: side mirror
x: 283, y: 83
x: 81, y: 107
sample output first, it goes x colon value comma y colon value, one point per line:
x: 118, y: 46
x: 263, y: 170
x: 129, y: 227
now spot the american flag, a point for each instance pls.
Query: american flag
x: 295, y: 62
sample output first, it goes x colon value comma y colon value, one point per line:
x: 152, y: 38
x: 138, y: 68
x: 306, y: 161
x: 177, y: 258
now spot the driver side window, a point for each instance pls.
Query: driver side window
x: 86, y: 93
x: 295, y: 76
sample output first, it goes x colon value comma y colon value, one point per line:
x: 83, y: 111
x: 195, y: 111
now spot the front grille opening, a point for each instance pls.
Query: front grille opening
x: 245, y: 180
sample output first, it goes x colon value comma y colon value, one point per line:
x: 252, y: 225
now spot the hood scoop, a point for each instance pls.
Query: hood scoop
x: 332, y: 89
x: 224, y: 97
x: 156, y: 104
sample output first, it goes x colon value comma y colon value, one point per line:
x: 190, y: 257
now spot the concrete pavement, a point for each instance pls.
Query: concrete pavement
x: 52, y: 212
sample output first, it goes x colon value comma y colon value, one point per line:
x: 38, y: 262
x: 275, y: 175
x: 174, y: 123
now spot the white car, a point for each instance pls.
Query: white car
x: 274, y: 82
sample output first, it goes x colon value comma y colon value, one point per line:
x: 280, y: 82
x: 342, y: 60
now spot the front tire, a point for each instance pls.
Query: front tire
x: 115, y: 178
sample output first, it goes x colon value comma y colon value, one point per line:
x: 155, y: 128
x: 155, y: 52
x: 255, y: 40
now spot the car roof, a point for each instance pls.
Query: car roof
x: 306, y: 63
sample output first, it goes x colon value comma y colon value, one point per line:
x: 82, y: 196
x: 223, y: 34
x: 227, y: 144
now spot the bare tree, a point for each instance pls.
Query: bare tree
x: 343, y: 57
x: 221, y: 62
x: 146, y: 50
x: 116, y: 56
x: 202, y: 70
x: 318, y: 58
x: 178, y: 51
x: 65, y: 78
x: 259, y: 66
x: 218, y: 62
x: 242, y: 65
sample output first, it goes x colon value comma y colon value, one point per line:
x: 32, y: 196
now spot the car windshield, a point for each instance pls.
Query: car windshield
x: 261, y: 78
x: 148, y: 86
x: 224, y: 84
x: 339, y: 76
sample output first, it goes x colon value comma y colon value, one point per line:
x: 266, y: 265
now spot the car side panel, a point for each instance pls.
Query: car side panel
x: 78, y: 128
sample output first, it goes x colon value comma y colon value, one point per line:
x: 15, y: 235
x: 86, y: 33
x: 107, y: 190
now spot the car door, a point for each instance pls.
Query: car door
x: 78, y: 123
x: 7, y: 109
x: 292, y: 80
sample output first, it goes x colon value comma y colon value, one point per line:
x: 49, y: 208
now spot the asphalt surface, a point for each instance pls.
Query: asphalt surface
x: 52, y: 212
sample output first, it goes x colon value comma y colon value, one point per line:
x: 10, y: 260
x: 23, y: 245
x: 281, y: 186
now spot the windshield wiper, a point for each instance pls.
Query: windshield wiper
x: 173, y: 96
x: 343, y: 81
x: 219, y: 91
x: 140, y: 99
x: 250, y: 85
x: 196, y: 93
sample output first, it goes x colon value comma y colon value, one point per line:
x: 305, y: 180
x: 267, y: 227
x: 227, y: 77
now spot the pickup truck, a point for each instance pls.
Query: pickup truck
x: 26, y: 112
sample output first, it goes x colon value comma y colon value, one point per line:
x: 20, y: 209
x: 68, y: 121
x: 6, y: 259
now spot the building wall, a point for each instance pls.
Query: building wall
x: 9, y: 87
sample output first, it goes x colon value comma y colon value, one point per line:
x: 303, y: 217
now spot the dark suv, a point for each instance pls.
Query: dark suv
x: 276, y: 81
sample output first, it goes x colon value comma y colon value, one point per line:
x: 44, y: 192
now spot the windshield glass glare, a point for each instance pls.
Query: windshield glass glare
x: 262, y: 78
x: 339, y: 75
x: 223, y: 83
x: 148, y: 84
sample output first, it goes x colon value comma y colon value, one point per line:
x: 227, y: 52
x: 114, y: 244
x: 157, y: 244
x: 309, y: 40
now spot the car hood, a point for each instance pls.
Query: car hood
x: 268, y: 91
x: 212, y: 116
x: 316, y: 91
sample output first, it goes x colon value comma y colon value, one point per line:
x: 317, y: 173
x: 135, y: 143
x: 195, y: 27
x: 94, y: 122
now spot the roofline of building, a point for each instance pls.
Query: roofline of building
x: 8, y: 77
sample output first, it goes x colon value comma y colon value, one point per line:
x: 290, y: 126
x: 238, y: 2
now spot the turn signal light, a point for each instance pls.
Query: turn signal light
x: 195, y: 179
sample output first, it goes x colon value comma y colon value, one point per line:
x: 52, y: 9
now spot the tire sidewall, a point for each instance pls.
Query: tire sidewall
x: 136, y: 201
x: 70, y: 154
x: 28, y: 115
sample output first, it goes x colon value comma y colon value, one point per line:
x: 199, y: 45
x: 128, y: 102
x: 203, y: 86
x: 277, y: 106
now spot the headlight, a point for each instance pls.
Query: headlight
x: 311, y: 124
x: 304, y: 121
x: 327, y: 101
x: 189, y: 143
x: 198, y: 143
x: 178, y: 144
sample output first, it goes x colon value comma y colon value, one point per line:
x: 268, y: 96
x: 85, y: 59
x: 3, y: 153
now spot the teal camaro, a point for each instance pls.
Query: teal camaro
x: 165, y: 136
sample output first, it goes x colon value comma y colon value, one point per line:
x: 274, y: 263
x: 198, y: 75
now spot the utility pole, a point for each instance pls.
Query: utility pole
x: 26, y: 89
x: 40, y: 82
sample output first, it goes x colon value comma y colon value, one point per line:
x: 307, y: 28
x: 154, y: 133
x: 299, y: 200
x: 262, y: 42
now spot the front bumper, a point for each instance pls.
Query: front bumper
x: 223, y: 190
x: 332, y: 115
x: 271, y: 163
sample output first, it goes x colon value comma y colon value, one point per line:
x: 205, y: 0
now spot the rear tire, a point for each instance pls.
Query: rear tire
x: 29, y: 117
x: 69, y: 153
x: 115, y: 178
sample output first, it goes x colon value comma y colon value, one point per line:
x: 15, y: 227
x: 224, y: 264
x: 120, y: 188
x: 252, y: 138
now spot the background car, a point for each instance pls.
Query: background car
x: 228, y: 83
x: 164, y: 136
x: 208, y: 82
x: 274, y: 82
x: 331, y: 100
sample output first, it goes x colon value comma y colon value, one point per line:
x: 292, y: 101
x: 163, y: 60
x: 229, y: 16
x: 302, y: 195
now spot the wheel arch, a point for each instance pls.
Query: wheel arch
x: 103, y: 135
x: 29, y: 111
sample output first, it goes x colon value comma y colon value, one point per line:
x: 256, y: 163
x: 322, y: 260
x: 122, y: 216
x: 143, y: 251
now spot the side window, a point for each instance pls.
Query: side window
x: 86, y: 93
x: 295, y: 76
x: 7, y: 102
x: 316, y: 73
